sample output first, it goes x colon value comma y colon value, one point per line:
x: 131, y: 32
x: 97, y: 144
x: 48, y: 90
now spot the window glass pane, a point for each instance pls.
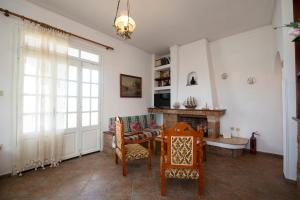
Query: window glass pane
x: 73, y: 52
x: 86, y: 75
x: 73, y: 73
x: 94, y: 106
x: 61, y: 88
x: 94, y: 118
x: 62, y: 71
x: 85, y: 104
x: 94, y: 90
x: 29, y: 104
x: 45, y: 69
x: 29, y: 85
x: 95, y: 76
x: 61, y: 49
x: 61, y: 104
x: 28, y: 123
x: 33, y: 41
x: 86, y: 90
x: 44, y: 86
x: 46, y: 105
x: 72, y: 90
x: 47, y: 123
x: 30, y: 66
x: 72, y: 104
x: 72, y: 120
x: 85, y: 119
x: 61, y: 121
x: 89, y: 56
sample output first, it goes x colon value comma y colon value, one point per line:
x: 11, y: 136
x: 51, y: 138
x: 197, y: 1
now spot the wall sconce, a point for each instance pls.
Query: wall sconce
x: 224, y: 76
x: 251, y: 80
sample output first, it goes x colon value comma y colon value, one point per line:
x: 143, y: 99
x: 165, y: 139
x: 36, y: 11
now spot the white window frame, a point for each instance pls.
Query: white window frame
x: 77, y: 44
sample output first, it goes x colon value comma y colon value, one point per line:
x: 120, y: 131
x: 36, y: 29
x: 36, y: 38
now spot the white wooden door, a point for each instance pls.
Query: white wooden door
x: 82, y: 133
x: 71, y: 135
x: 89, y: 127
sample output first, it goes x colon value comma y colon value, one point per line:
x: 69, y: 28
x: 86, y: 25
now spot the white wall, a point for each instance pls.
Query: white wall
x: 193, y: 57
x: 283, y: 14
x: 250, y: 107
x: 124, y: 59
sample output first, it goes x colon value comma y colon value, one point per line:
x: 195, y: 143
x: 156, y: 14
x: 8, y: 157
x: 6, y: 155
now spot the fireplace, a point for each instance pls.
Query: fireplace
x: 210, y: 119
x: 194, y: 121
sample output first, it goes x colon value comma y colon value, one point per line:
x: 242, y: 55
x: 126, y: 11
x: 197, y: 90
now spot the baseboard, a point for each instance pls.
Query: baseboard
x: 5, y: 175
x: 10, y: 174
x: 289, y: 180
x: 265, y: 153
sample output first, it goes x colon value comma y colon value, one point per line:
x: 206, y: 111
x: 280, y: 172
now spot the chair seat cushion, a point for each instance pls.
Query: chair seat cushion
x: 182, y: 173
x: 133, y: 152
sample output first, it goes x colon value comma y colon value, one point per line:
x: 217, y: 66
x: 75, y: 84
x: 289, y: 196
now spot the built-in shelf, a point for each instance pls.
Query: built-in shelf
x: 163, y: 79
x: 162, y: 67
x: 162, y: 88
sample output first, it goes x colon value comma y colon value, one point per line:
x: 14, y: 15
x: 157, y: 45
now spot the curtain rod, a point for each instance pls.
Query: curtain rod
x: 7, y: 13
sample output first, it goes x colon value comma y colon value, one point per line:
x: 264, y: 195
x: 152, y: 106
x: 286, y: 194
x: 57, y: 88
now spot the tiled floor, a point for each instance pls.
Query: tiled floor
x: 96, y: 177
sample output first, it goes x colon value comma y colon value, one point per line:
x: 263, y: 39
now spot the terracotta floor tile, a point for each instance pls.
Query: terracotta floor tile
x: 96, y: 177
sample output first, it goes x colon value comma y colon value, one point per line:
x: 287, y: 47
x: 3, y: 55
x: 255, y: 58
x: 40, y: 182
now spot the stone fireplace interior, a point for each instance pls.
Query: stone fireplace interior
x: 195, y: 122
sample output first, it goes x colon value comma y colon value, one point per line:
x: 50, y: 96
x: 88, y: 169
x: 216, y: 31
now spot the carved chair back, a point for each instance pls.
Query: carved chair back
x: 182, y: 146
x: 119, y: 134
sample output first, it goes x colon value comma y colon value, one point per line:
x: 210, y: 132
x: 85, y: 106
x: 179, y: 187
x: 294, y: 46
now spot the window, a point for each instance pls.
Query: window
x: 76, y: 86
x: 90, y: 96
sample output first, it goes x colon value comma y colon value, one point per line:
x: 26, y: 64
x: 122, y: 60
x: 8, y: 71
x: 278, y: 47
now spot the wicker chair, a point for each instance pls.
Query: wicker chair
x: 130, y: 150
x: 184, y: 157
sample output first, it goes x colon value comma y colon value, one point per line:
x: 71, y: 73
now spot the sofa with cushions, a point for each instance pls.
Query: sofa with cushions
x: 137, y: 127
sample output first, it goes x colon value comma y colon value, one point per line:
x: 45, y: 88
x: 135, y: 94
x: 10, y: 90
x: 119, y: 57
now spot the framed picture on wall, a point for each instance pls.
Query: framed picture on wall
x: 130, y: 86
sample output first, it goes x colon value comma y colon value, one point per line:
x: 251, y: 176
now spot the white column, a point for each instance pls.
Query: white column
x: 174, y: 74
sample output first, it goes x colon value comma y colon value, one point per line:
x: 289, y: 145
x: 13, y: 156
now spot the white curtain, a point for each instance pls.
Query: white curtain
x: 40, y: 82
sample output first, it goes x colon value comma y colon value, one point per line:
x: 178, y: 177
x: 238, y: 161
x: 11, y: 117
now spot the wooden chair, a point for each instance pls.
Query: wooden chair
x: 184, y: 157
x: 130, y: 150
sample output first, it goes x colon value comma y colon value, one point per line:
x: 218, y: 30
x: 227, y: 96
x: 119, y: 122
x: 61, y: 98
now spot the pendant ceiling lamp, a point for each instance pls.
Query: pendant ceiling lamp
x: 123, y: 23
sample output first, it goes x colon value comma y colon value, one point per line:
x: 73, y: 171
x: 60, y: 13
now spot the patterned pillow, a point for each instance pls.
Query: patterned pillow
x: 152, y: 124
x: 135, y: 126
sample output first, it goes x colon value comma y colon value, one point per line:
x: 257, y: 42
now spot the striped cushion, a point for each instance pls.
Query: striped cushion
x: 148, y: 132
x: 129, y: 137
x: 143, y: 119
x: 126, y: 123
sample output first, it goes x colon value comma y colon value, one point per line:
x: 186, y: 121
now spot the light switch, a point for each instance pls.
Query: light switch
x: 1, y: 93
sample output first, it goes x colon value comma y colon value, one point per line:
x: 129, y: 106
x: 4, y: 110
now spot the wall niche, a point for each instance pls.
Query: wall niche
x: 192, y: 79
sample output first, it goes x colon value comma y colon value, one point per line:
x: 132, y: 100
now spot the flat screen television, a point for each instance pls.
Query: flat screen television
x: 162, y: 100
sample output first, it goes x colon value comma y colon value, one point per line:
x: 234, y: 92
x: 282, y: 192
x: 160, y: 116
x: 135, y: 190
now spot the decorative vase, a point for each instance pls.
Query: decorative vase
x: 193, y: 81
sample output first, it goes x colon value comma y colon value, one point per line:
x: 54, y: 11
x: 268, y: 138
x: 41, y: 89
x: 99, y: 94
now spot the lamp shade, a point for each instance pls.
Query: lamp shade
x: 124, y: 24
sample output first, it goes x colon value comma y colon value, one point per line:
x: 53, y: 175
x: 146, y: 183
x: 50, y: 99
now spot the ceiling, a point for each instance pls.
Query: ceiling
x: 163, y: 23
